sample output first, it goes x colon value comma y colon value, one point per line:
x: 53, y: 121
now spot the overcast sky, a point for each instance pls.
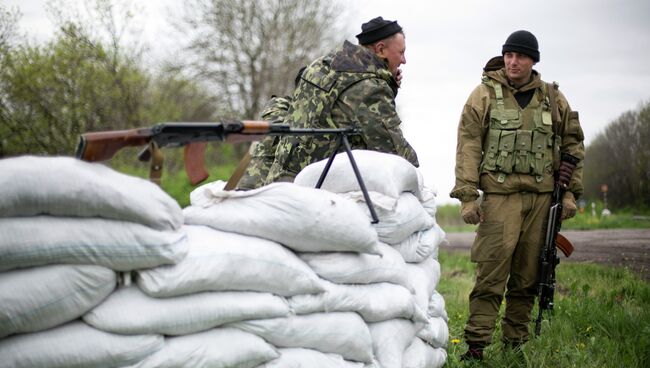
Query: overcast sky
x: 597, y: 50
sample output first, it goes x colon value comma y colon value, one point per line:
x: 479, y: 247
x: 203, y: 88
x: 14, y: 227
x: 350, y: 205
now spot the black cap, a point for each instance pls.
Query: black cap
x: 377, y: 29
x: 522, y: 42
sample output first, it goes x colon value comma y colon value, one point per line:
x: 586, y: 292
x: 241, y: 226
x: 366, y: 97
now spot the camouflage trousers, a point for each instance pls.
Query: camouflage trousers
x: 506, y: 251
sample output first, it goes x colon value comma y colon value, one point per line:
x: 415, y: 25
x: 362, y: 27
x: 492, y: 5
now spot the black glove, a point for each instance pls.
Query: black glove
x: 565, y: 172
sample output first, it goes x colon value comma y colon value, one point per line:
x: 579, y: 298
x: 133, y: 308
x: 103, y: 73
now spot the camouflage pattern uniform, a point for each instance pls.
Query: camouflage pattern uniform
x: 350, y: 86
x: 510, y: 153
x: 263, y: 153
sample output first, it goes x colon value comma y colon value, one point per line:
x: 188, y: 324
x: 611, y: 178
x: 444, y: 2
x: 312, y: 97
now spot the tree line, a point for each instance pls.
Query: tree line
x: 237, y: 54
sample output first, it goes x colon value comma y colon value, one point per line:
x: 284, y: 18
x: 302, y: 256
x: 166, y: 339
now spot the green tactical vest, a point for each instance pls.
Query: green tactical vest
x: 519, y: 141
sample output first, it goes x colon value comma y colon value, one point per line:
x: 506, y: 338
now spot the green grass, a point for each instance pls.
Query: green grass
x: 601, y: 319
x: 448, y: 217
x: 619, y: 219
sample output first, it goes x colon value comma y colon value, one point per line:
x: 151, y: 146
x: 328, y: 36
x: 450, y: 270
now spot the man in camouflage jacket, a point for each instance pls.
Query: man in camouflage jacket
x: 511, y: 132
x: 263, y: 153
x: 354, y: 85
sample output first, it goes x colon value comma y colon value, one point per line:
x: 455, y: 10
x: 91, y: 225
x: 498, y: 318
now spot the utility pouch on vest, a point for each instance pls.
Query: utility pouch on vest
x: 523, y: 149
x: 540, y: 142
x: 490, y: 160
x: 505, y: 119
x: 505, y: 160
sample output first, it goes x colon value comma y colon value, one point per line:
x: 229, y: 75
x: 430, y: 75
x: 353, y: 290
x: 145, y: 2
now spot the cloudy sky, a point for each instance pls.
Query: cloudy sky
x: 598, y: 51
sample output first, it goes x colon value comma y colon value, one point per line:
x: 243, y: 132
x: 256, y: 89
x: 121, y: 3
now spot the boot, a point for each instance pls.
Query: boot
x: 474, y: 352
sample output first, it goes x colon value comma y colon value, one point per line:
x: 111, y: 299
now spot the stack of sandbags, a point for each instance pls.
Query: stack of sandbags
x: 407, y: 226
x: 322, y: 327
x: 225, y: 277
x: 352, y: 300
x: 67, y: 226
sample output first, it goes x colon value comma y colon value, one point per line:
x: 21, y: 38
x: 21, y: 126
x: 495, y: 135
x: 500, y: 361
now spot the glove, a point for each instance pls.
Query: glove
x: 569, y: 206
x: 564, y: 173
x: 471, y: 212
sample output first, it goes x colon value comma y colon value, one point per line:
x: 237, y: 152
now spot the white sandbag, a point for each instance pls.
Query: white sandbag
x: 437, y: 307
x: 428, y: 200
x: 64, y: 186
x: 379, y: 201
x: 216, y: 348
x: 339, y: 333
x: 357, y: 268
x: 374, y: 302
x: 218, y: 261
x: 118, y: 245
x: 435, y: 332
x: 75, y: 345
x: 130, y: 311
x: 390, y: 339
x: 421, y: 355
x: 424, y: 277
x: 303, y: 219
x: 408, y: 218
x: 35, y: 299
x: 308, y: 358
x: 421, y: 245
x: 381, y: 172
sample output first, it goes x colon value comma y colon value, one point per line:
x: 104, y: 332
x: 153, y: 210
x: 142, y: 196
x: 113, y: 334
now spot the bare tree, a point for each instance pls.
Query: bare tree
x: 249, y: 50
x: 8, y: 26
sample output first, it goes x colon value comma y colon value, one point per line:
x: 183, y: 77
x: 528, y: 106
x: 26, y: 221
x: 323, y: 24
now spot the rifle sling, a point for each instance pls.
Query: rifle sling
x: 156, y: 165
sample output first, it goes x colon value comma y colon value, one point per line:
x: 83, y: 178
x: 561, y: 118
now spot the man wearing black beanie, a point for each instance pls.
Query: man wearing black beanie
x: 511, y: 132
x: 353, y: 85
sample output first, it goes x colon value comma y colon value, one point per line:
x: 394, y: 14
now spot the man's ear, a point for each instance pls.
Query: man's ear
x: 379, y: 48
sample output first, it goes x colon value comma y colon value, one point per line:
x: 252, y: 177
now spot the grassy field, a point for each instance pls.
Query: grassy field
x: 601, y: 319
x: 448, y: 216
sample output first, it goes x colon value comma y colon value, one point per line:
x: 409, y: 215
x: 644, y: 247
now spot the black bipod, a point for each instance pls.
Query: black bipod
x: 342, y: 141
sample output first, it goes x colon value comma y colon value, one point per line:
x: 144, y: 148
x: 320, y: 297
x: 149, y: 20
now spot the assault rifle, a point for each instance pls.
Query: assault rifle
x: 549, y: 259
x: 101, y: 146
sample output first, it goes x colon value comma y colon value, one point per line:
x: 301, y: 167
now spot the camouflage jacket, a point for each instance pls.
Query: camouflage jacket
x: 263, y: 153
x: 474, y: 126
x: 350, y: 86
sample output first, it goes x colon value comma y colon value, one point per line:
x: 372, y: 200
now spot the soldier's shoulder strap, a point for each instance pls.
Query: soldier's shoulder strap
x: 552, y: 90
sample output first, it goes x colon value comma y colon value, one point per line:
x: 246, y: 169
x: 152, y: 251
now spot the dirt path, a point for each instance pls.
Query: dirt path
x: 629, y: 248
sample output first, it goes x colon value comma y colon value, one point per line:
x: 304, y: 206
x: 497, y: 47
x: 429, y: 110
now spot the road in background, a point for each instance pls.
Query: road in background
x: 621, y: 247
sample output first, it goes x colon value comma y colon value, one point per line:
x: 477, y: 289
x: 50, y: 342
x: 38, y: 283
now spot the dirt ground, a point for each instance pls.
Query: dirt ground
x: 621, y: 247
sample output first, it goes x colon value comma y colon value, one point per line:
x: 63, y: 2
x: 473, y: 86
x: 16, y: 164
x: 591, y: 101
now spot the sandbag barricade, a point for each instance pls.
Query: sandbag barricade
x: 282, y: 276
x: 68, y: 229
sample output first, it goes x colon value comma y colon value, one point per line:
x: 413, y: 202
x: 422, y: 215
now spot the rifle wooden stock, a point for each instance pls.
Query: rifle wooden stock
x: 101, y: 146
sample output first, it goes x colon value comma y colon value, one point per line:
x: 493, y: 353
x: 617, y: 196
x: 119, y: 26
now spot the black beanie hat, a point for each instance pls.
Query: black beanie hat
x: 522, y: 42
x: 377, y: 29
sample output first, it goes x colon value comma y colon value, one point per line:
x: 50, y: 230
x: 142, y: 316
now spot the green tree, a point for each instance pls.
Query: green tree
x: 84, y: 79
x: 68, y: 86
x: 620, y: 158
